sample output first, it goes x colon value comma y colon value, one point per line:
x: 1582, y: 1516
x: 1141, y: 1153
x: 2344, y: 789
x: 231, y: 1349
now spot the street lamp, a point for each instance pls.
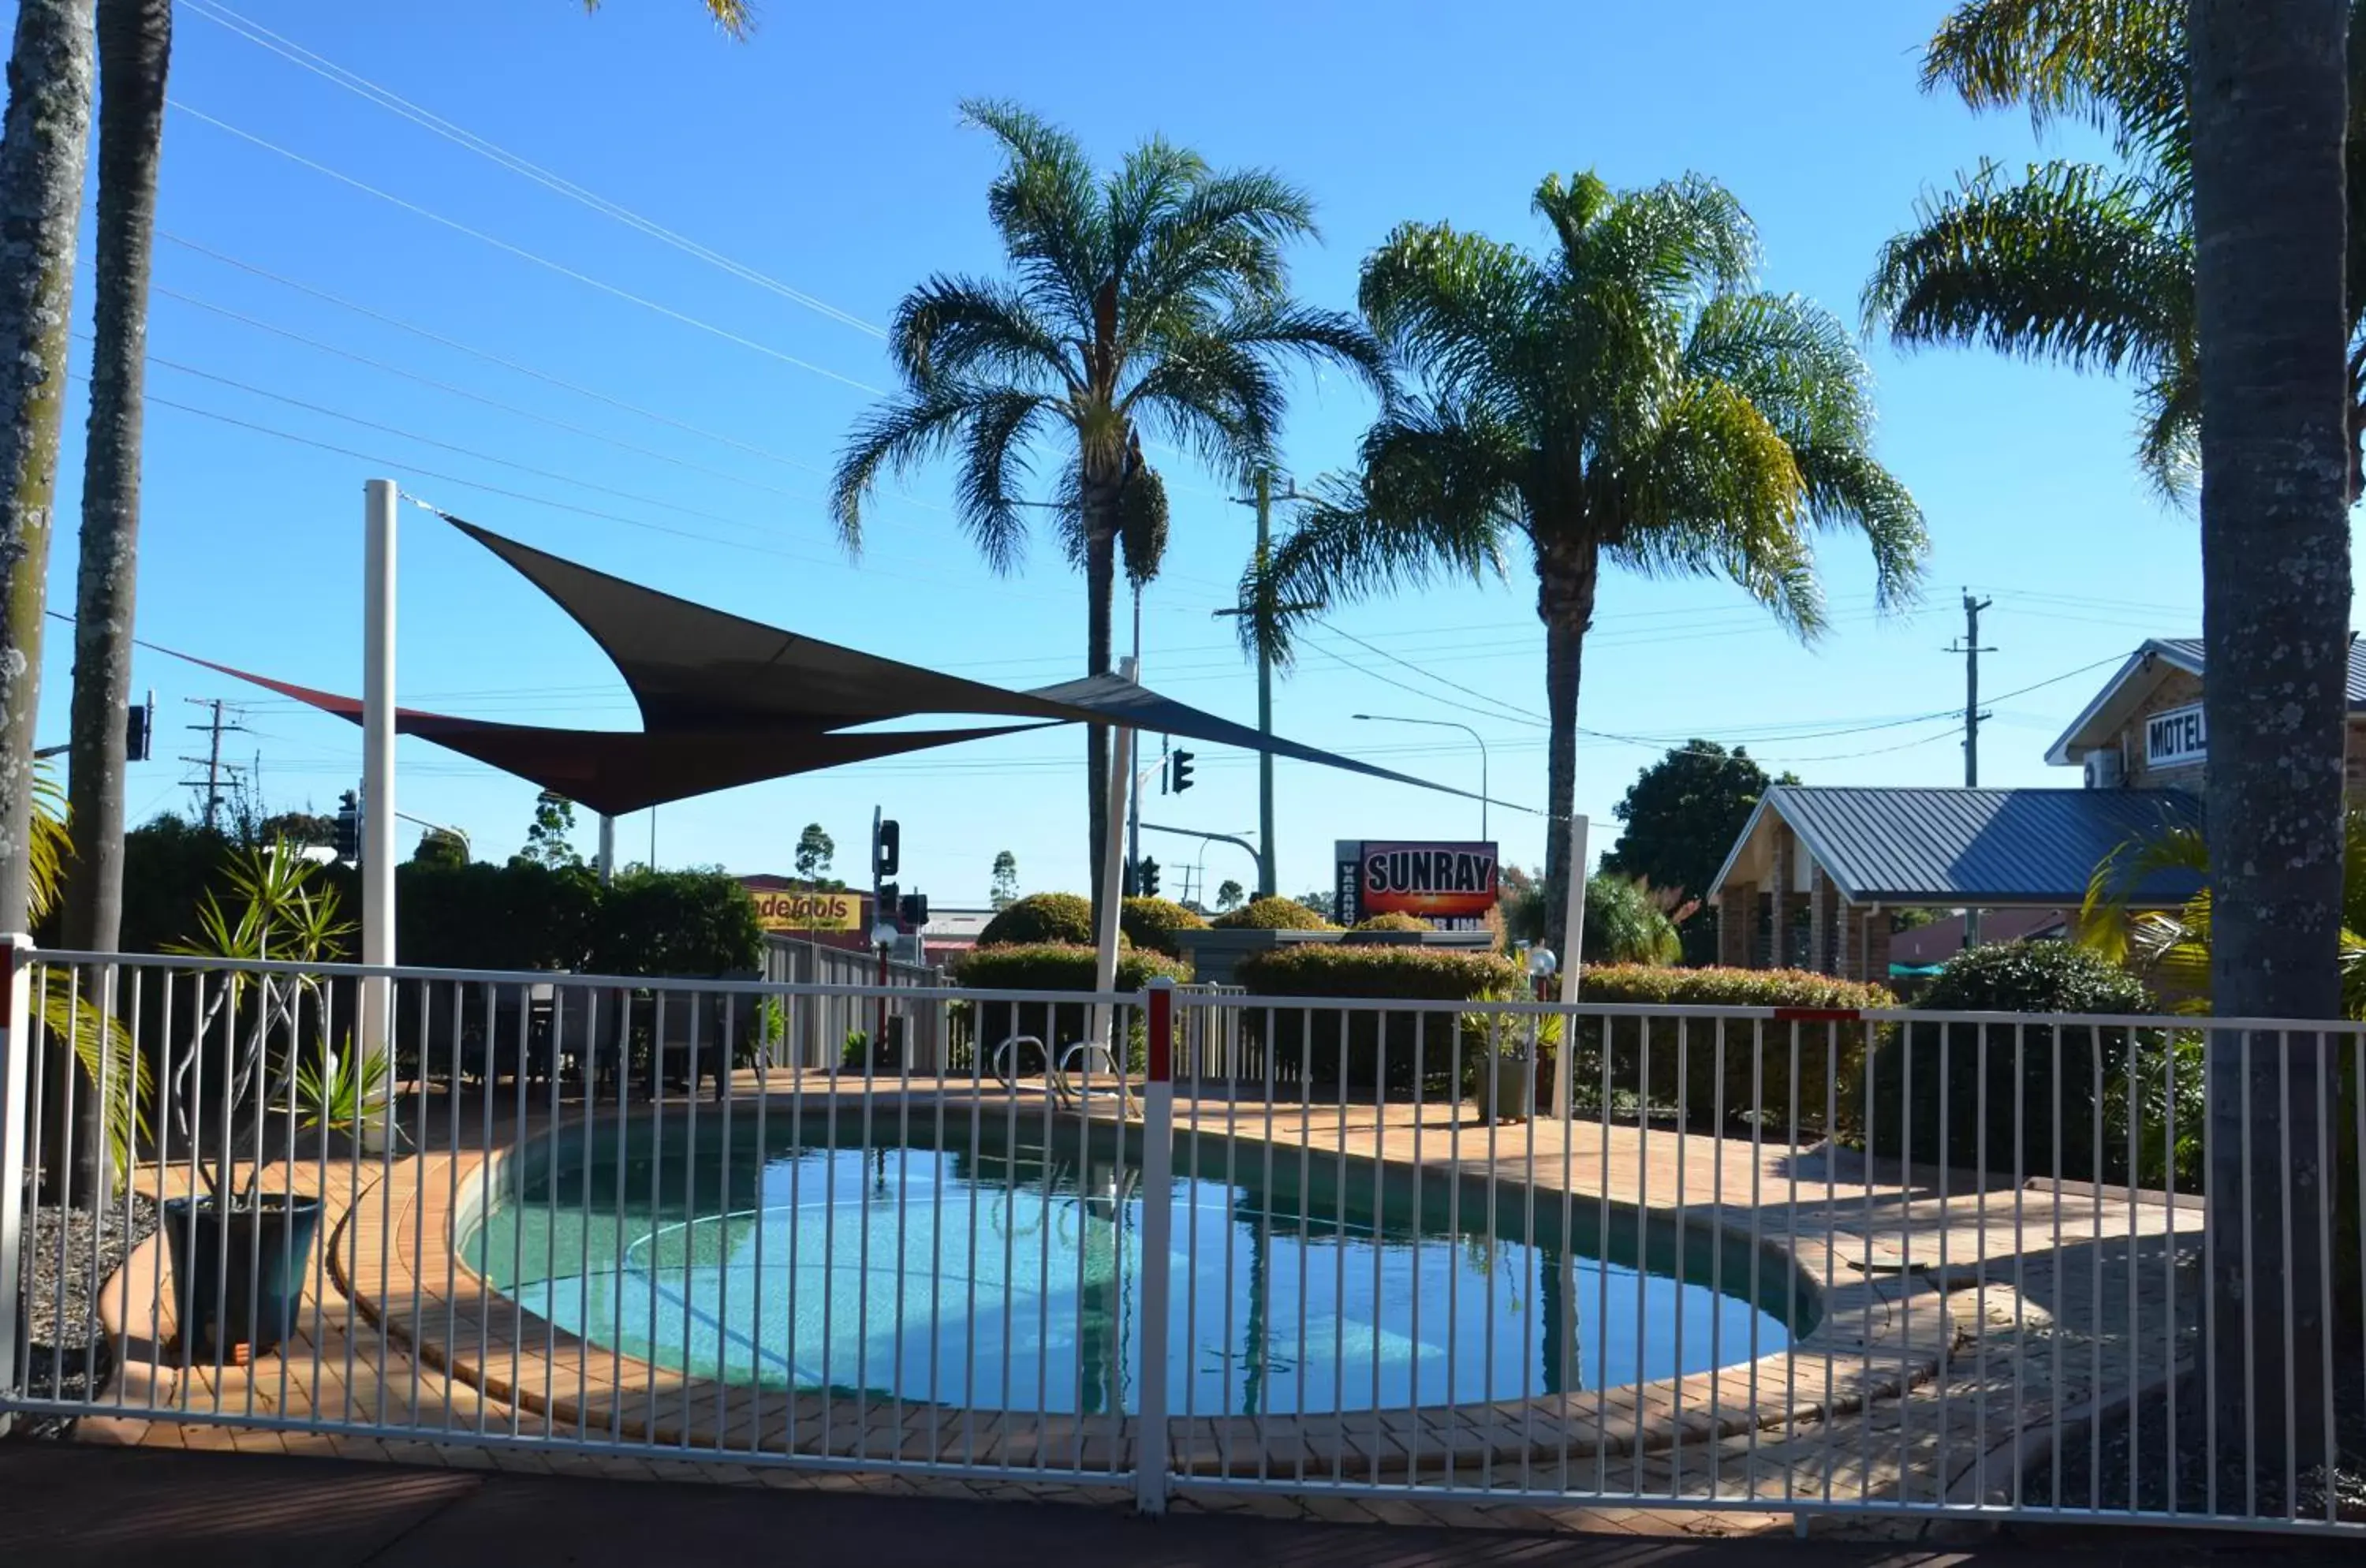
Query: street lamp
x: 1447, y: 724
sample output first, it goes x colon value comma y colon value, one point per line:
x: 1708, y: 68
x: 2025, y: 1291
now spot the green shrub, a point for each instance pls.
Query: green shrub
x: 1392, y: 920
x: 2019, y: 1066
x: 1039, y: 918
x: 1274, y: 914
x: 1390, y: 1051
x: 1153, y: 922
x: 1625, y: 925
x: 1651, y: 1058
x: 698, y: 923
x: 1050, y: 966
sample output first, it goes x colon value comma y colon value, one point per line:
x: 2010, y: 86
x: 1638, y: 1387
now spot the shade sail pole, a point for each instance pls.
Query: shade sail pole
x: 1112, y: 870
x: 380, y: 500
x: 1574, y: 925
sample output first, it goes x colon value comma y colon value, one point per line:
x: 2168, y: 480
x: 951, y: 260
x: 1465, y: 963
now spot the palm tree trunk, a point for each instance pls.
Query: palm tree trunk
x: 48, y: 136
x: 135, y: 47
x: 1099, y: 503
x: 1566, y: 575
x: 2269, y: 111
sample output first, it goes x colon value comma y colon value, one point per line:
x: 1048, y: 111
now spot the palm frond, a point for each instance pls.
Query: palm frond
x: 2107, y: 912
x: 1215, y: 397
x: 51, y: 843
x: 1462, y: 307
x: 1680, y: 242
x: 968, y: 329
x: 2117, y: 65
x: 1847, y: 490
x: 1716, y: 490
x: 1438, y: 494
x: 2071, y: 262
x: 736, y: 17
x: 894, y: 437
x: 1046, y: 206
x: 998, y: 431
x: 1223, y: 240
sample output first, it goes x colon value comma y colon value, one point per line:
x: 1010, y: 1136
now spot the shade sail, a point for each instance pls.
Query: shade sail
x: 614, y: 771
x: 693, y: 668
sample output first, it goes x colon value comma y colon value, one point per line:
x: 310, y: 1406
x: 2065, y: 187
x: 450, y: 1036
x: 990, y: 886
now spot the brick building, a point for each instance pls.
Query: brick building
x: 1818, y: 873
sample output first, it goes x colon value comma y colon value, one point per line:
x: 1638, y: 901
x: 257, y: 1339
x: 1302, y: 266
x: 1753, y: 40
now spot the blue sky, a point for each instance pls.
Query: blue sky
x: 823, y: 157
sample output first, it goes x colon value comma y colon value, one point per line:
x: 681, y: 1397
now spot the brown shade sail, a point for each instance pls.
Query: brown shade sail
x: 725, y: 701
x: 613, y: 771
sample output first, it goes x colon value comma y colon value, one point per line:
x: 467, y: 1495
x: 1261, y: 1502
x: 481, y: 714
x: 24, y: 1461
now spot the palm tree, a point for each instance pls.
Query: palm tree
x: 2215, y: 266
x: 1630, y: 397
x: 1151, y: 300
x: 42, y: 156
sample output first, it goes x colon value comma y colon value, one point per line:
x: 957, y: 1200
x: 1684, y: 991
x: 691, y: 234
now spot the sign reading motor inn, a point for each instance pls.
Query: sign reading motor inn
x: 2176, y: 736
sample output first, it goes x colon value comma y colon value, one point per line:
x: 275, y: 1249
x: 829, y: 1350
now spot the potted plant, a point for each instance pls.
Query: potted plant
x: 256, y: 1053
x: 1506, y: 1088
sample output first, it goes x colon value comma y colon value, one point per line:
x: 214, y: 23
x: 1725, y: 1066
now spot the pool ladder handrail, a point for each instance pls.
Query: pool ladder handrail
x: 1058, y: 1070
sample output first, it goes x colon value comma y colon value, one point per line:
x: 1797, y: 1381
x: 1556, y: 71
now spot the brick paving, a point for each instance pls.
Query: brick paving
x: 1964, y: 1329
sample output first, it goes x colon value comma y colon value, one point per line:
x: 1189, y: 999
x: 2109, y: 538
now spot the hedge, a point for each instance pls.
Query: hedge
x: 1430, y: 1047
x: 1153, y: 922
x: 1390, y: 920
x: 1041, y: 917
x: 1274, y: 914
x: 2019, y: 1067
x: 1050, y: 966
x: 1651, y: 1058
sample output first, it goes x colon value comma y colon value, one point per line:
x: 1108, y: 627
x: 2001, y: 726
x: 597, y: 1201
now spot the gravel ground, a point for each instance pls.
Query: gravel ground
x: 58, y: 1270
x: 2142, y: 1432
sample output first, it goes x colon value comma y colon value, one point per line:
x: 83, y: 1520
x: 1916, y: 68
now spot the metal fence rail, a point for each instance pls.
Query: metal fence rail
x: 1999, y: 1266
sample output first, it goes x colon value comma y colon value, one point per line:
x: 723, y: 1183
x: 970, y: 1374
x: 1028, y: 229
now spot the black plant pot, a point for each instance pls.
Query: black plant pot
x: 238, y: 1274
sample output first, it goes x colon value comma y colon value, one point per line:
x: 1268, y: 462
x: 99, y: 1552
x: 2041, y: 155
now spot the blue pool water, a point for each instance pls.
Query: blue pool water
x: 999, y: 1267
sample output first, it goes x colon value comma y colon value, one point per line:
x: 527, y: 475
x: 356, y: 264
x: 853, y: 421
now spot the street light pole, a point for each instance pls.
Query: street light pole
x: 1447, y: 724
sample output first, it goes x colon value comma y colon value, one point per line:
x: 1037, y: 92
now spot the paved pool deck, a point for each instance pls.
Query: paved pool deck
x: 1967, y: 1324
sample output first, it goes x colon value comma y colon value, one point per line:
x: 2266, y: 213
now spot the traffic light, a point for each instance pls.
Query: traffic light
x: 139, y: 725
x: 1148, y: 878
x: 887, y: 850
x: 1178, y: 770
x: 349, y: 827
x: 912, y: 910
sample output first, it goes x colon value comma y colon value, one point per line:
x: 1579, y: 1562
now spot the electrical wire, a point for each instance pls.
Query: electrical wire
x: 386, y: 99
x: 561, y: 268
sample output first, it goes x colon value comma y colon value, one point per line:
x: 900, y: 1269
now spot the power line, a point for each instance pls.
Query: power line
x: 354, y: 81
x: 683, y: 317
x: 488, y: 356
x: 476, y: 397
x: 1519, y: 714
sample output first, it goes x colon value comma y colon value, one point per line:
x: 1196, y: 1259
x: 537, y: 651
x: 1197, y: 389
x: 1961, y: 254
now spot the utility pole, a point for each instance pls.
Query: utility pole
x: 1971, y: 649
x: 215, y: 728
x: 1266, y: 612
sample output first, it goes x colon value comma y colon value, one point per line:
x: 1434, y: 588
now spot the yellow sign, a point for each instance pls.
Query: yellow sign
x: 787, y: 911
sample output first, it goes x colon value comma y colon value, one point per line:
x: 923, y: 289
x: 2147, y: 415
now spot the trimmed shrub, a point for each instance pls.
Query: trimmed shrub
x: 1918, y: 1066
x: 1274, y: 914
x: 1041, y: 917
x: 1671, y: 1064
x: 1050, y: 966
x: 1388, y: 1051
x: 1392, y: 920
x: 1624, y: 924
x: 1153, y: 922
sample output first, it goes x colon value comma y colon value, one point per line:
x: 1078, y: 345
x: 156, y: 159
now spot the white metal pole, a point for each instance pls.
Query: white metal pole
x: 607, y: 849
x: 1113, y: 866
x: 1573, y: 939
x: 380, y: 500
x: 1150, y: 1450
x: 18, y: 1046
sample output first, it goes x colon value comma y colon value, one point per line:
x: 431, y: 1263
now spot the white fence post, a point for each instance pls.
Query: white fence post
x: 20, y: 1042
x: 1157, y: 1247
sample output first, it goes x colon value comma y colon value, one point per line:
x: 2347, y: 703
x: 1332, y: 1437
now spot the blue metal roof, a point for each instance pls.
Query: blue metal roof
x: 2186, y: 651
x: 1976, y: 846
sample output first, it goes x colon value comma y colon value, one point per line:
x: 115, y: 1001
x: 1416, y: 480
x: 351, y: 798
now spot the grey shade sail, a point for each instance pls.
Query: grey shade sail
x: 695, y: 669
x: 1979, y: 848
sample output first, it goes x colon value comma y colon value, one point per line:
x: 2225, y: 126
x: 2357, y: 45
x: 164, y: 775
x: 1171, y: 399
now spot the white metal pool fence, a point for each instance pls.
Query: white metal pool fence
x: 1999, y: 1266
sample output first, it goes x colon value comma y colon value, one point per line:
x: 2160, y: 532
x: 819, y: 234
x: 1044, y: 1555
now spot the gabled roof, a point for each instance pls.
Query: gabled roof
x: 2104, y: 718
x: 1981, y: 848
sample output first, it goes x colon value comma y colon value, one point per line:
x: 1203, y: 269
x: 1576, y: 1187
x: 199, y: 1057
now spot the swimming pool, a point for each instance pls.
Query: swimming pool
x: 992, y: 1259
